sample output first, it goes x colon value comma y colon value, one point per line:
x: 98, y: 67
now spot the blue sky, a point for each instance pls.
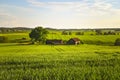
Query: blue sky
x: 60, y: 13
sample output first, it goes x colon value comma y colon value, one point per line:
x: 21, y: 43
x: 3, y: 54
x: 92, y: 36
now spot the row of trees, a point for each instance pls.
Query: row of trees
x: 39, y: 35
x: 17, y: 29
x: 99, y: 32
x: 70, y: 33
x: 66, y: 33
x: 79, y: 33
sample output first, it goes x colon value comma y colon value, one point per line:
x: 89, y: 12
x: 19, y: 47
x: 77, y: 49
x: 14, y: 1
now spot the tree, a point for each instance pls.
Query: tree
x: 98, y: 32
x: 64, y: 33
x: 38, y: 34
x: 70, y: 33
x: 3, y: 39
x: 109, y: 33
x: 117, y: 42
x: 79, y: 33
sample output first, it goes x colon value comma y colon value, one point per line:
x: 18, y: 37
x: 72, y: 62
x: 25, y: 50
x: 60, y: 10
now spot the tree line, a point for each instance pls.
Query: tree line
x: 39, y: 35
x: 17, y: 29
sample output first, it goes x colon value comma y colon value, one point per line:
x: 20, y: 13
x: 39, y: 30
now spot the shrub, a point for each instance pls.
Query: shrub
x: 79, y: 33
x: 117, y: 42
x: 3, y: 39
x: 23, y: 38
x: 109, y: 33
x: 64, y: 33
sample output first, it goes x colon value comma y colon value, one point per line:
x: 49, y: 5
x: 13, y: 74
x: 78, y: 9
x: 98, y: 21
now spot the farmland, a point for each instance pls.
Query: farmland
x: 87, y: 38
x: 45, y: 62
x: 96, y: 59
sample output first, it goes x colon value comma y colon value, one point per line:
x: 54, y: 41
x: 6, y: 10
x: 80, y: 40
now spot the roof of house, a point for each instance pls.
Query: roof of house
x: 54, y: 40
x: 75, y: 39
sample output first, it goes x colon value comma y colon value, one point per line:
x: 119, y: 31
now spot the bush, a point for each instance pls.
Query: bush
x: 23, y: 38
x: 117, y: 42
x: 79, y: 33
x: 64, y: 33
x: 3, y: 39
x: 109, y: 33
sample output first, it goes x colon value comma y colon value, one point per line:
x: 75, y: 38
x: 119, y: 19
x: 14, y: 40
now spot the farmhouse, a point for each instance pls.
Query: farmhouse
x: 54, y: 41
x: 74, y: 41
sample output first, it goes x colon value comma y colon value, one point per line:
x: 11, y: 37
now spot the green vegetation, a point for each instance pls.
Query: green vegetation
x: 87, y: 38
x: 13, y: 37
x: 96, y: 59
x: 117, y: 42
x: 38, y: 34
x: 3, y: 39
x: 43, y: 62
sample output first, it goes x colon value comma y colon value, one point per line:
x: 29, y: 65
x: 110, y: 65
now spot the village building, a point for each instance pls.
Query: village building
x: 54, y: 42
x: 74, y: 41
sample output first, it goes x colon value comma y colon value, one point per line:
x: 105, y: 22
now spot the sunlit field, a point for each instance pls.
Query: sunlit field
x: 60, y: 62
x: 59, y: 39
x: 86, y: 38
x: 97, y: 59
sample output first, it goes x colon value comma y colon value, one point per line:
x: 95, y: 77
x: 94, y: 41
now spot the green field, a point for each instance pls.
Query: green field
x: 60, y: 62
x: 87, y: 38
x: 96, y: 59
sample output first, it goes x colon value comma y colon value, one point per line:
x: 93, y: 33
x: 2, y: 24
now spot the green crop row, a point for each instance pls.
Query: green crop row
x: 60, y: 62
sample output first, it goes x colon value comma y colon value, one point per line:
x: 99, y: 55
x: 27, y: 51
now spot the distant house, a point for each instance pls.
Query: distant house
x: 74, y: 41
x: 54, y: 42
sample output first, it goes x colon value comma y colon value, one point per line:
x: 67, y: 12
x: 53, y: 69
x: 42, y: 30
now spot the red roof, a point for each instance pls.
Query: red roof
x: 75, y: 39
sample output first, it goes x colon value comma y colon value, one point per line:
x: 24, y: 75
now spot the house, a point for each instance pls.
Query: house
x: 54, y: 42
x: 74, y: 41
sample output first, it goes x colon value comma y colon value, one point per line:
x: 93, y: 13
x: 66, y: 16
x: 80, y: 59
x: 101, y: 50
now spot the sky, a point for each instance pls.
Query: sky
x: 60, y: 14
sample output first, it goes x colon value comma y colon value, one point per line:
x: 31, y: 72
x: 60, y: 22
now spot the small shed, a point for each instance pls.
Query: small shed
x: 74, y: 41
x: 54, y: 42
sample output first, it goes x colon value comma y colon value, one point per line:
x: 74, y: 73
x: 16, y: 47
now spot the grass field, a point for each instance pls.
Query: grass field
x: 61, y: 62
x: 87, y: 38
x: 96, y: 59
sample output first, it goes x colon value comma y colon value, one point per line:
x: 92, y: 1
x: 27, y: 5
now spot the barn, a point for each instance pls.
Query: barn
x: 74, y: 41
x: 54, y: 42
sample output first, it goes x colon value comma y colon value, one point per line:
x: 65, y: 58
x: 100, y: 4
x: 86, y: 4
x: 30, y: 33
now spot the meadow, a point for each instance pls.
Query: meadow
x: 87, y: 38
x: 61, y: 62
x: 96, y: 59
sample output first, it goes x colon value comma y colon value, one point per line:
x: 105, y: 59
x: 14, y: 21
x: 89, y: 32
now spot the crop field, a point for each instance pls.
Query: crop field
x: 13, y: 36
x: 60, y: 62
x: 96, y: 59
x: 87, y: 38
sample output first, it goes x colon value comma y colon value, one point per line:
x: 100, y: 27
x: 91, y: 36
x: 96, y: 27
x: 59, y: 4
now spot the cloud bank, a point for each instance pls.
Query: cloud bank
x: 99, y: 7
x: 63, y: 14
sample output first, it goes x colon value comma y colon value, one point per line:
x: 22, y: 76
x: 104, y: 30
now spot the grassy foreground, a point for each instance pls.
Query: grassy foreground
x: 45, y: 62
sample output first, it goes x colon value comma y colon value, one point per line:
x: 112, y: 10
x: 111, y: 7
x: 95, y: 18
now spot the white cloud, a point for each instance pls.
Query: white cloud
x: 76, y: 14
x: 14, y: 15
x: 97, y: 7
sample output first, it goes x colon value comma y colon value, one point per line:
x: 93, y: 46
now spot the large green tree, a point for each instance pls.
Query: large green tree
x: 38, y: 34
